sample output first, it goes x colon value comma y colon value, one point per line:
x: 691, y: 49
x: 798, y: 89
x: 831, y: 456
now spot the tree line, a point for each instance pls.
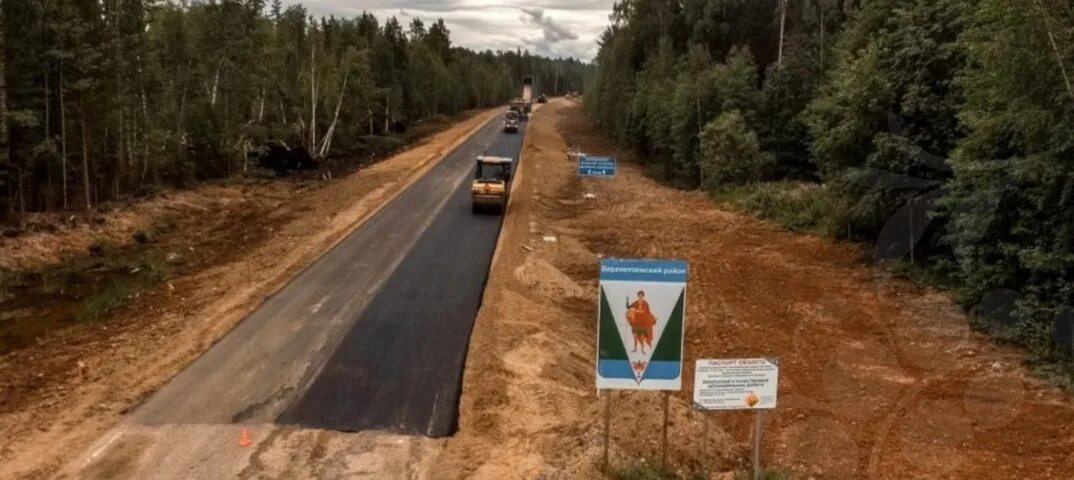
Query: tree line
x: 940, y: 130
x: 112, y: 99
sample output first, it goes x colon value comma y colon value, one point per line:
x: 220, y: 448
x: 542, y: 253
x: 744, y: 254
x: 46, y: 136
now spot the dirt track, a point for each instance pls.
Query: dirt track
x: 61, y: 393
x: 879, y: 379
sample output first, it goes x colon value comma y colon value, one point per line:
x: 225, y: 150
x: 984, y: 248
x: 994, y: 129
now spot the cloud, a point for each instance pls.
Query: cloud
x: 553, y: 32
x: 555, y: 28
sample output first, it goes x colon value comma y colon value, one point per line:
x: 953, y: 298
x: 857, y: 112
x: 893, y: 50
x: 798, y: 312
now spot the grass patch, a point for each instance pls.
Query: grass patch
x: 937, y: 274
x: 768, y: 474
x: 87, y: 287
x: 102, y: 302
x: 642, y: 471
x: 798, y: 206
x: 143, y: 271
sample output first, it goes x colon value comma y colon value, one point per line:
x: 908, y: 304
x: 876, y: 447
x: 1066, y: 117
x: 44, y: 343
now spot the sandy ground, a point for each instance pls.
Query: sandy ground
x: 880, y: 379
x: 60, y: 394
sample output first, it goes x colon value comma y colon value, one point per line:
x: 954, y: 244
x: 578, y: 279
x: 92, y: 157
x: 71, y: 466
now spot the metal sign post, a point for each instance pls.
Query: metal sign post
x: 607, y: 428
x: 758, y: 432
x: 664, y: 443
x: 704, y: 445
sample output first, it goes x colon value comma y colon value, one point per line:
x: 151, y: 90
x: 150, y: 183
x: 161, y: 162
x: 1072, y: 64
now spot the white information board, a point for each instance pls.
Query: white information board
x: 736, y: 384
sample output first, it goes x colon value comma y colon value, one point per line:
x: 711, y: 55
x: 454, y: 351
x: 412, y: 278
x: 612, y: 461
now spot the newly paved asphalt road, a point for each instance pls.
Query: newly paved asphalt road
x: 371, y: 336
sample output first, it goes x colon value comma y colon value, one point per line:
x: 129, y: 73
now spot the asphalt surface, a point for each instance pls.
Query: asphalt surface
x: 400, y: 367
x: 371, y: 336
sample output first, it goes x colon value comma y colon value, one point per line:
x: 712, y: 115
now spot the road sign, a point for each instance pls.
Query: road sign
x: 592, y: 166
x: 641, y: 317
x: 736, y: 384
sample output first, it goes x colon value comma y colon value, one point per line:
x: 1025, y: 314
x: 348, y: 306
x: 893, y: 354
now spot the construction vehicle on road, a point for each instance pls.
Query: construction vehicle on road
x: 510, y: 122
x: 492, y: 184
x: 527, y: 88
x: 524, y: 104
x: 522, y: 108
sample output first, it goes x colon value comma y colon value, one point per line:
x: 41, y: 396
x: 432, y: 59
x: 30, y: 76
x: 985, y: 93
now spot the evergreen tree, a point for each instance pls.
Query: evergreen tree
x: 890, y: 109
x: 109, y: 99
x: 1012, y: 196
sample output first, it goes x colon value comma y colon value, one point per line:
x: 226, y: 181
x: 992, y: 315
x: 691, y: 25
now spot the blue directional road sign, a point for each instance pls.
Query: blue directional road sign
x: 591, y: 166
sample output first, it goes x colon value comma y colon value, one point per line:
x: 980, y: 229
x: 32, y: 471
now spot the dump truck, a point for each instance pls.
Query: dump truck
x: 492, y: 184
x: 527, y: 89
x: 510, y: 122
x: 521, y: 108
x: 524, y: 104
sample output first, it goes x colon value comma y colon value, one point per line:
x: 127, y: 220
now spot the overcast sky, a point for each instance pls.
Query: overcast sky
x: 558, y: 28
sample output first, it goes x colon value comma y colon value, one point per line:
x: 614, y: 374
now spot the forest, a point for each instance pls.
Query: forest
x: 104, y: 100
x: 939, y: 131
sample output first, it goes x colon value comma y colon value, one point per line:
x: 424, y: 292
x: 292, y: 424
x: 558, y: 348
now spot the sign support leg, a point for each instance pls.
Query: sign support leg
x: 607, y: 428
x: 704, y: 446
x: 758, y: 431
x: 664, y: 448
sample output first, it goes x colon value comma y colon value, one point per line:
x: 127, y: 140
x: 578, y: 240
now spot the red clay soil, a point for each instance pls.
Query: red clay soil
x: 879, y: 378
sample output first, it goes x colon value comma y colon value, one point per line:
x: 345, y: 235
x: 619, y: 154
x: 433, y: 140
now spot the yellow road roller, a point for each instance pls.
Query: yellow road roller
x: 492, y: 184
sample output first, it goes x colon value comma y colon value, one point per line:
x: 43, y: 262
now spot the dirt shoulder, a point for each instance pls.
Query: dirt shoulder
x: 62, y: 392
x: 880, y: 379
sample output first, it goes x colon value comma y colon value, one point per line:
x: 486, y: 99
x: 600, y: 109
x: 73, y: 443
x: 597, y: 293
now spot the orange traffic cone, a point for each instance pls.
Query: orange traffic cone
x: 244, y: 438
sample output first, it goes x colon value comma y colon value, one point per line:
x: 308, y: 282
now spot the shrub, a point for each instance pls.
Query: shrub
x: 147, y: 269
x: 797, y: 206
x: 102, y: 302
x: 766, y: 475
x: 731, y: 153
x: 642, y: 471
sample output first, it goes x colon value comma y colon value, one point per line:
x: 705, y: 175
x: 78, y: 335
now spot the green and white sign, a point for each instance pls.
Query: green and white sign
x: 641, y: 320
